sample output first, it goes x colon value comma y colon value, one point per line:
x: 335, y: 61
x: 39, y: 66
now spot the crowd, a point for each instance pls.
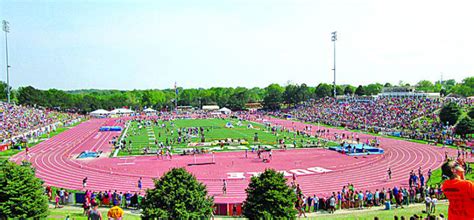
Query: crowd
x: 92, y: 200
x: 414, y: 118
x: 350, y: 197
x: 20, y: 123
x: 417, y: 192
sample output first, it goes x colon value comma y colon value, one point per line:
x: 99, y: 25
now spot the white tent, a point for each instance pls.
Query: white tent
x: 210, y: 107
x: 225, y: 111
x: 121, y: 111
x: 149, y: 110
x: 99, y: 113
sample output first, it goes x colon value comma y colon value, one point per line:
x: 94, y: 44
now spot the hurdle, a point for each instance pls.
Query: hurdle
x: 203, y: 162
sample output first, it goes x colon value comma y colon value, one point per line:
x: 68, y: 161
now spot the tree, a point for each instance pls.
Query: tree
x: 3, y: 90
x: 238, y: 99
x: 273, y: 97
x: 450, y: 113
x: 303, y: 93
x: 465, y: 126
x: 349, y: 90
x: 466, y: 88
x: 30, y: 96
x: 339, y: 90
x: 323, y: 90
x: 290, y: 96
x: 373, y: 89
x: 471, y: 112
x: 21, y: 193
x: 177, y: 195
x: 268, y: 195
x: 425, y: 86
x: 360, y: 91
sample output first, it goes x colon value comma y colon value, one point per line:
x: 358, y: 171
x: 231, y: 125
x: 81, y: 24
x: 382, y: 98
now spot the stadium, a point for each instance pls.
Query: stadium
x: 242, y: 146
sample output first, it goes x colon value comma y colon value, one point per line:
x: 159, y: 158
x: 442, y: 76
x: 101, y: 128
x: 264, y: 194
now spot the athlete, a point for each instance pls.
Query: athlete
x: 224, y: 187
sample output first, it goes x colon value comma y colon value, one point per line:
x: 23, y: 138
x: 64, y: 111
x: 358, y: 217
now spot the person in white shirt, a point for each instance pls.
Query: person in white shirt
x: 428, y: 204
x: 434, y: 201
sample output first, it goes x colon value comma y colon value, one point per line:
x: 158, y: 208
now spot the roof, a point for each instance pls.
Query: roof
x: 100, y: 112
x: 224, y: 109
x: 210, y: 107
x: 121, y: 111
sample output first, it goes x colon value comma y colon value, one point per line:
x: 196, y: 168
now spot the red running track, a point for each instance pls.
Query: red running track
x: 318, y: 171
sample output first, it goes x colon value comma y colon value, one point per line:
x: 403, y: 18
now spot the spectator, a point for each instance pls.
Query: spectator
x: 460, y: 192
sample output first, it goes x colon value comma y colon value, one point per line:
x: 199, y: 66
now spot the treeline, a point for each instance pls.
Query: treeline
x: 272, y: 96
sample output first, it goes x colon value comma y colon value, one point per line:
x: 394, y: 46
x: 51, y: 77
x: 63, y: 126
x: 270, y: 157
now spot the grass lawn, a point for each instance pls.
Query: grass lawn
x: 75, y: 212
x: 214, y: 130
x: 436, y: 176
x: 383, y: 214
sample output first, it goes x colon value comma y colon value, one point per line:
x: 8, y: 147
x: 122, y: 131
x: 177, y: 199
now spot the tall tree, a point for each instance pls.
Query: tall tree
x: 449, y: 113
x: 466, y: 88
x: 21, y: 193
x: 349, y: 90
x: 323, y: 90
x: 360, y: 91
x: 3, y: 90
x: 290, y: 96
x: 471, y: 112
x: 373, y: 89
x: 465, y: 127
x: 273, y: 97
x: 268, y: 196
x: 425, y: 86
x: 177, y: 195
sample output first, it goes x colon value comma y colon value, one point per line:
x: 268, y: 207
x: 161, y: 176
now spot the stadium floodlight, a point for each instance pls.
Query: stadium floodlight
x: 6, y: 29
x: 333, y: 39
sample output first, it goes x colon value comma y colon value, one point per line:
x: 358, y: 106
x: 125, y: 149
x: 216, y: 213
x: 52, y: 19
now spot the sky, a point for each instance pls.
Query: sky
x: 138, y: 44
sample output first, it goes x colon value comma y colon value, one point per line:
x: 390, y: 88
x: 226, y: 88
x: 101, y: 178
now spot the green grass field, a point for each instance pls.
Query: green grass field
x: 436, y: 177
x: 214, y: 130
x: 75, y: 212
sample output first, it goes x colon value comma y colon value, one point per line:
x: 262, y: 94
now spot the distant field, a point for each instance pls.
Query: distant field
x: 214, y: 130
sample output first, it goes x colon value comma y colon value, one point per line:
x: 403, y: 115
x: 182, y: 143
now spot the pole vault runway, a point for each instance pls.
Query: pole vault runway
x: 318, y: 171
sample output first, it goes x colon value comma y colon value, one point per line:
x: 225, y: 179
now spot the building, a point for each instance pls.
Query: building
x: 406, y: 91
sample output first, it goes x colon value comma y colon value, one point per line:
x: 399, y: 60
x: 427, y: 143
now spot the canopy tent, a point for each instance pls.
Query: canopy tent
x: 149, y: 110
x: 210, y: 107
x: 99, y: 113
x: 121, y: 111
x: 225, y: 110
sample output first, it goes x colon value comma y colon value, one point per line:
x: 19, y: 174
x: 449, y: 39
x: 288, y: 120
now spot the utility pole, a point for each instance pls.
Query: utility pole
x: 6, y: 29
x: 334, y: 38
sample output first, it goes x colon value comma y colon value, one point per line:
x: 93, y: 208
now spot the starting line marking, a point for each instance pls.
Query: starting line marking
x: 297, y: 172
x: 120, y: 164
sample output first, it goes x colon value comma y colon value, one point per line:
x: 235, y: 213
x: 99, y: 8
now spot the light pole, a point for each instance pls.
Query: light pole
x: 334, y: 38
x: 6, y: 29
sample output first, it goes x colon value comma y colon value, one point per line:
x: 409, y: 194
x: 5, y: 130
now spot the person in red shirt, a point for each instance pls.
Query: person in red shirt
x: 460, y: 192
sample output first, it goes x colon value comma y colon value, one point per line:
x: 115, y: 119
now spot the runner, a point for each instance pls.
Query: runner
x: 389, y: 173
x: 84, y: 183
x: 224, y: 187
x: 140, y: 184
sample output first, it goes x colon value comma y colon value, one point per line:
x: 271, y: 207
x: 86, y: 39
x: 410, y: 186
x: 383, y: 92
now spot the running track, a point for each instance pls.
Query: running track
x: 55, y: 163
